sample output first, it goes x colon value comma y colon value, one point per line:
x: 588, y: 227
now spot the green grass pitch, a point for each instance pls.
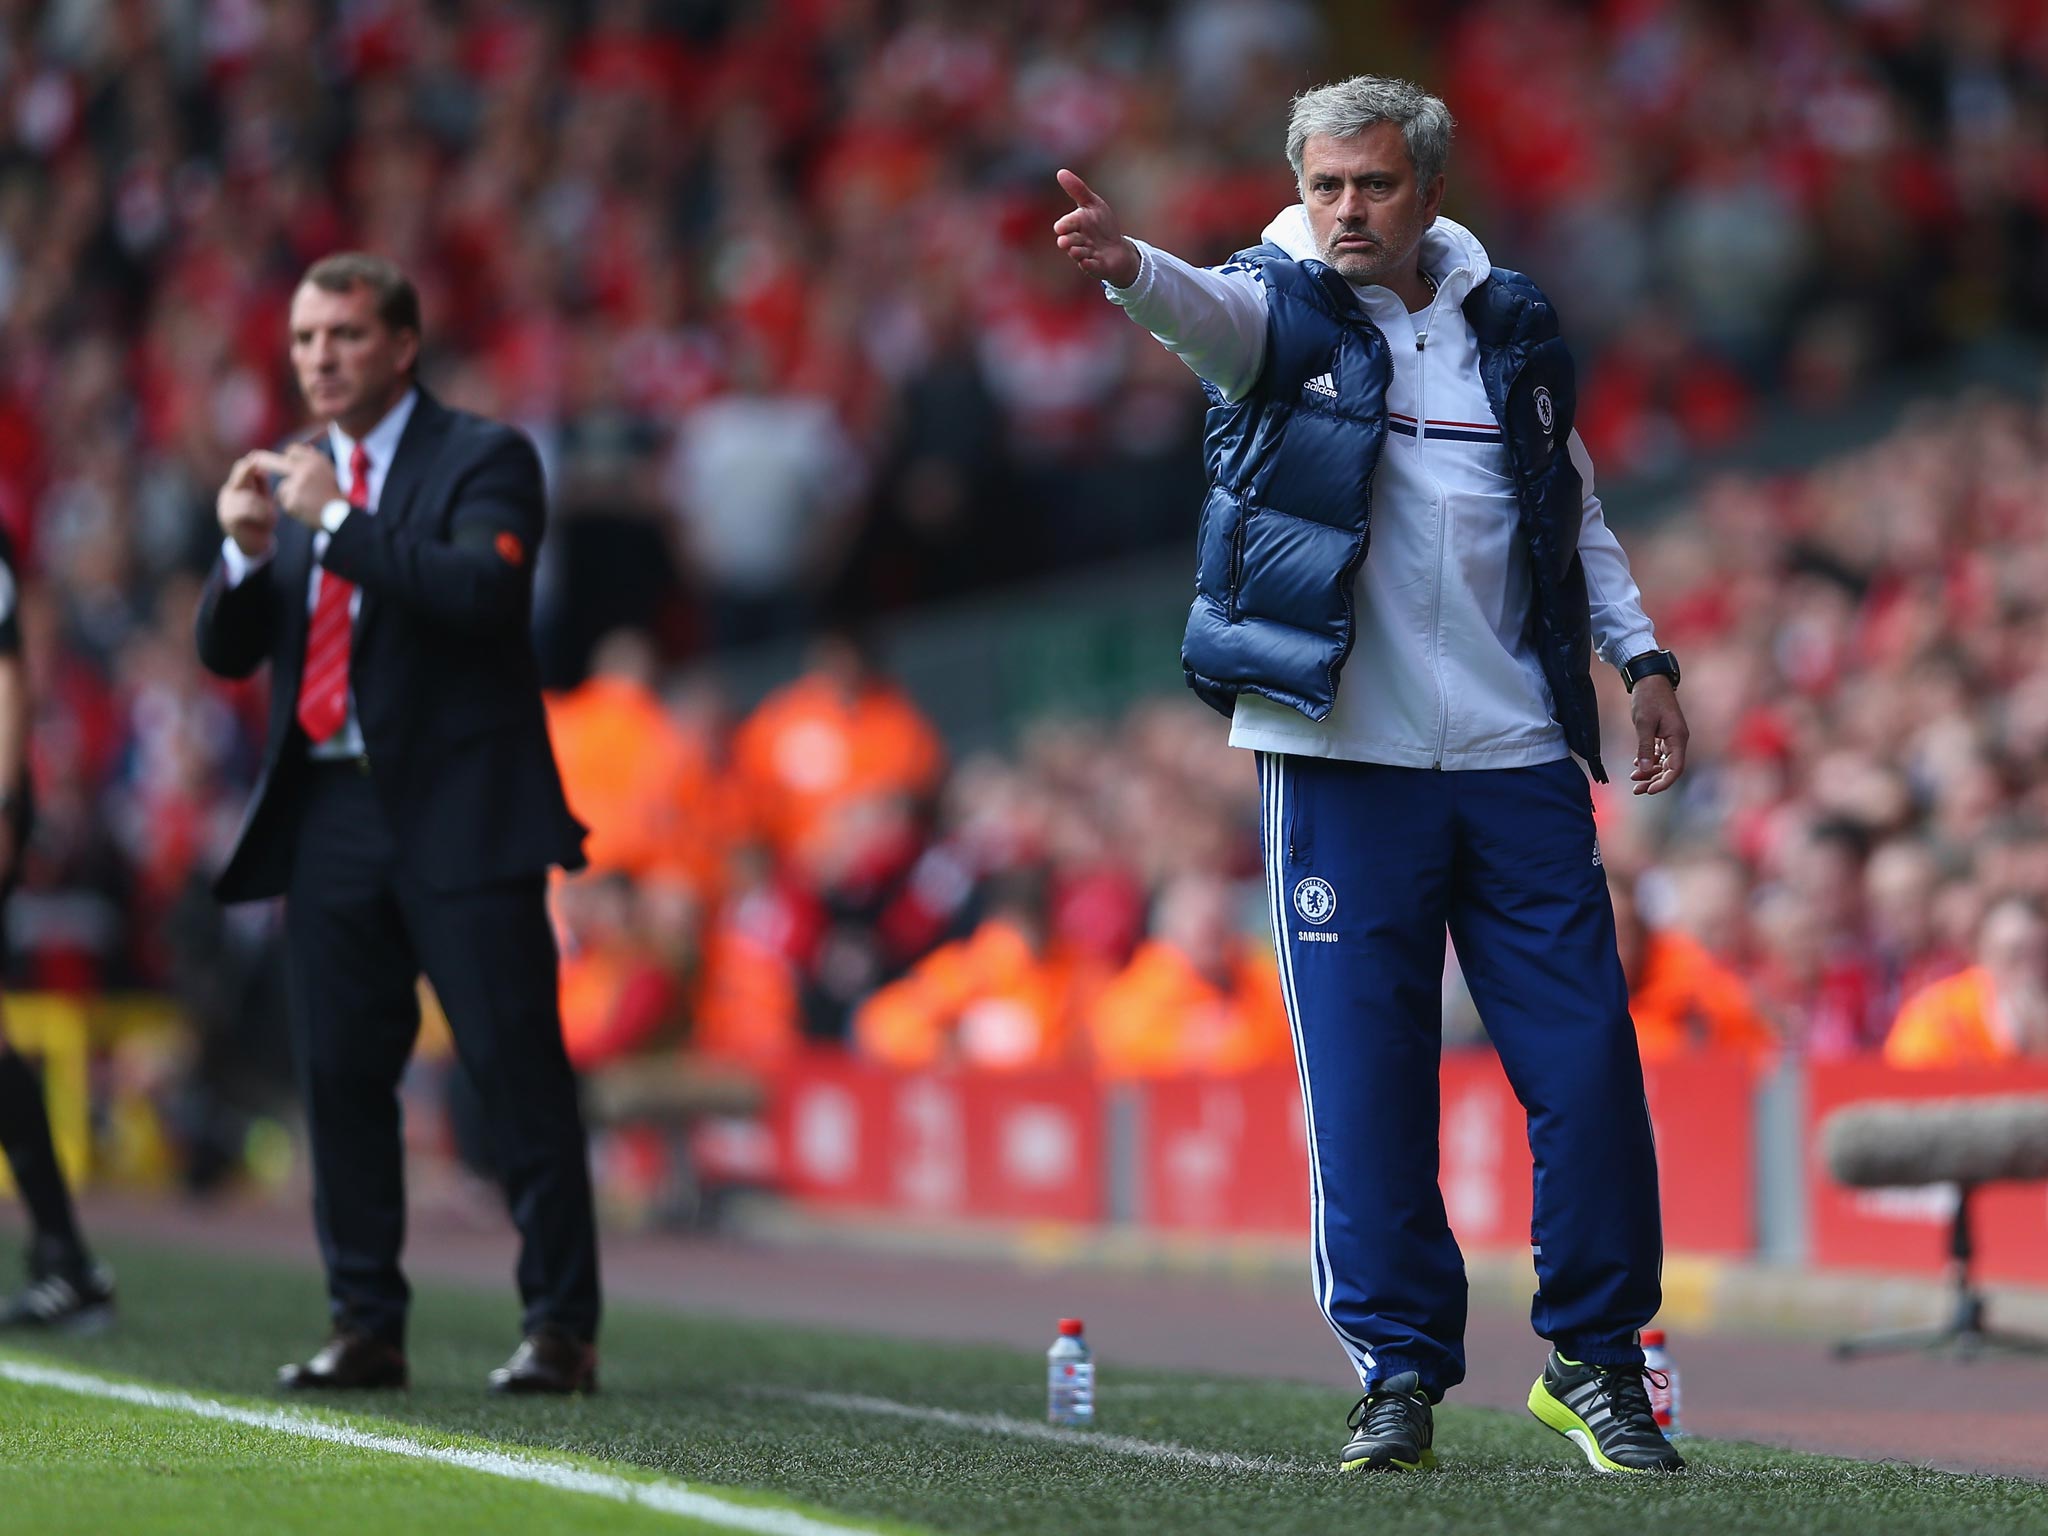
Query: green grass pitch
x: 802, y: 1420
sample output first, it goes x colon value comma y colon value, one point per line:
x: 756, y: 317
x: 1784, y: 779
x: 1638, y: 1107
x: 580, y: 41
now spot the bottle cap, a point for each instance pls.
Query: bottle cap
x: 1070, y: 1327
x: 1653, y: 1338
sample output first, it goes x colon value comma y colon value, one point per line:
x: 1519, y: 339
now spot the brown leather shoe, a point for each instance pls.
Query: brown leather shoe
x: 548, y: 1361
x: 347, y: 1362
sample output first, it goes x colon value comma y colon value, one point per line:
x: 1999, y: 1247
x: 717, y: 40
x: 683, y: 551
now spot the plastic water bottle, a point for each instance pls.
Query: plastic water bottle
x: 1664, y: 1399
x: 1070, y: 1377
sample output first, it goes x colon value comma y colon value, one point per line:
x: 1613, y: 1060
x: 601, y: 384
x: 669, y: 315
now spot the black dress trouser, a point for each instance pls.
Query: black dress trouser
x: 359, y: 932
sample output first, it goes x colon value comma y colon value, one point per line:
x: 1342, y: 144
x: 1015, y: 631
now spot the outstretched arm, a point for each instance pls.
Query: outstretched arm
x: 1214, y: 320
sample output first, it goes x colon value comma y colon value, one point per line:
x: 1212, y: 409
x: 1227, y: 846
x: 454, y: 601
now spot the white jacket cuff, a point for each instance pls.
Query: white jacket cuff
x: 1629, y: 647
x: 1139, y: 285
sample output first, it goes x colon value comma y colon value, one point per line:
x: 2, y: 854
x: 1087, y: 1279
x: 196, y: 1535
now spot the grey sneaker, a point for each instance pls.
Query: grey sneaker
x: 1392, y: 1429
x: 1605, y: 1412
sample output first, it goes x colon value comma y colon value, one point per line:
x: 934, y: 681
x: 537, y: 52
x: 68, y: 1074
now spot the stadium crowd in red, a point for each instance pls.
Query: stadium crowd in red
x: 1865, y: 666
x: 1754, y: 202
x: 769, y: 285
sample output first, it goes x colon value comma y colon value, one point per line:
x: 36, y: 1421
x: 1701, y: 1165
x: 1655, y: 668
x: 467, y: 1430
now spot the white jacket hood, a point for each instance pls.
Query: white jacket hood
x: 1451, y: 253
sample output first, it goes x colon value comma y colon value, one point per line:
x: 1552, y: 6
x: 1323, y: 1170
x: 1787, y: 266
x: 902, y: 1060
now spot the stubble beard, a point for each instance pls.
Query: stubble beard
x: 1373, y: 263
x: 1356, y: 265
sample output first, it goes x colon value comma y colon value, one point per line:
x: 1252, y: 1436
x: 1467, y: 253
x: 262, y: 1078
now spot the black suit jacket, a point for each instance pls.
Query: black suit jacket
x: 441, y: 664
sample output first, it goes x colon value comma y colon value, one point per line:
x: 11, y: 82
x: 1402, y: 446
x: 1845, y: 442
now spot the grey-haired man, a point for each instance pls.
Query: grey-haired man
x: 1415, y: 714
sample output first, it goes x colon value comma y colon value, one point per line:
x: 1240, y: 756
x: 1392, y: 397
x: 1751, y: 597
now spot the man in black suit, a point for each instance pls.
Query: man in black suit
x: 408, y: 809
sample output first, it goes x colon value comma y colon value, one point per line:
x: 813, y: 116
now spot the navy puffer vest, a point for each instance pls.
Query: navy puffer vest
x: 1288, y: 514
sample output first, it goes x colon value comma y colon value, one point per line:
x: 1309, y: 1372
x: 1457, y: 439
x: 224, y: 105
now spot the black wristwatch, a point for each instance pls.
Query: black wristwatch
x: 1649, y: 664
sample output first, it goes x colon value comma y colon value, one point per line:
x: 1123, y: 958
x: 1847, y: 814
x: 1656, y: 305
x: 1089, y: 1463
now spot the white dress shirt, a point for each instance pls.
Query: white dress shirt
x: 1440, y: 675
x: 381, y: 444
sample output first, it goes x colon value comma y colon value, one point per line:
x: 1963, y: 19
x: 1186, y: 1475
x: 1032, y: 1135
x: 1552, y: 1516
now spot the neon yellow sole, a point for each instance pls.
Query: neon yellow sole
x: 1557, y: 1416
x: 1426, y: 1464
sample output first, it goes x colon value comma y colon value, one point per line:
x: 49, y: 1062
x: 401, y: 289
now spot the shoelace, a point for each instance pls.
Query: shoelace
x: 1628, y: 1400
x: 1382, y: 1413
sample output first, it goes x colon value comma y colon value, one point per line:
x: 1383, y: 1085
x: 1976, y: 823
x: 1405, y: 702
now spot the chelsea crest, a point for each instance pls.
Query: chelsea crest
x: 1315, y: 901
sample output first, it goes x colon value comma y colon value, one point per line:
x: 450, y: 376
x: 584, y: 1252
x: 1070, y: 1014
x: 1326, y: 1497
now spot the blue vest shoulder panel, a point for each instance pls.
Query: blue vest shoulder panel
x: 1288, y: 510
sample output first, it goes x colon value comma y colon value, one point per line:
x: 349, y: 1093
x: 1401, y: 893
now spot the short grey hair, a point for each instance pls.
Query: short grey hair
x: 1349, y: 107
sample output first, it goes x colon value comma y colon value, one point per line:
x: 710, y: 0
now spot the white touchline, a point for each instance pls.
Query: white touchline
x: 1031, y: 1429
x: 669, y: 1498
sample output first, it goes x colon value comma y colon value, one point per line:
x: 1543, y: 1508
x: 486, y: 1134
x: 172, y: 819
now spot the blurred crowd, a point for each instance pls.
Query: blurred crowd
x: 1738, y: 205
x: 819, y: 871
x: 770, y: 285
x: 1867, y: 678
x: 1856, y: 862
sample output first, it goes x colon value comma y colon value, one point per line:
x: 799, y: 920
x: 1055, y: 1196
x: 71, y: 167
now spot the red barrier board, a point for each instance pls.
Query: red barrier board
x: 996, y: 1147
x: 1229, y: 1154
x: 1217, y: 1155
x: 1907, y: 1229
x: 1703, y: 1108
x: 1223, y: 1154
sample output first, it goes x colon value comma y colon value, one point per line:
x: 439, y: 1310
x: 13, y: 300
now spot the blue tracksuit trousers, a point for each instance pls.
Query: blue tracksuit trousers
x: 1367, y: 866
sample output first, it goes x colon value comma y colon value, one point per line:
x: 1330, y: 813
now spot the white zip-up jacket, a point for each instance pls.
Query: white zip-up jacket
x: 1439, y: 676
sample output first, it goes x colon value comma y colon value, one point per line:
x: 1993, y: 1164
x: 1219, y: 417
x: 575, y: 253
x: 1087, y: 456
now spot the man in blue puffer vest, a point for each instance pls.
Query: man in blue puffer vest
x: 1374, y: 379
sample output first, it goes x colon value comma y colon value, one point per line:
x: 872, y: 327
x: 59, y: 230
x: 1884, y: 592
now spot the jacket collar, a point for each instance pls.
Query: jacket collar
x: 381, y: 441
x: 408, y: 435
x: 1451, y: 253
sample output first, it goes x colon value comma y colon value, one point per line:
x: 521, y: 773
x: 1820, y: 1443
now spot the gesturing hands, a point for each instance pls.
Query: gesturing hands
x: 248, y: 506
x: 247, y: 514
x: 306, y: 481
x: 1092, y: 238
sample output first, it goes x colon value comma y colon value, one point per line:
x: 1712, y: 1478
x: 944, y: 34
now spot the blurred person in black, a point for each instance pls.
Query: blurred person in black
x: 66, y: 1289
x: 408, y: 810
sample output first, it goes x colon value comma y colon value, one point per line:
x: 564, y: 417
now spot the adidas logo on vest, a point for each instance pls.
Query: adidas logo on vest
x: 1323, y: 384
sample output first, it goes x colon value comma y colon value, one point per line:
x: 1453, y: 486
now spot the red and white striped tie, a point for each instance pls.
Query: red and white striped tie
x: 323, y: 684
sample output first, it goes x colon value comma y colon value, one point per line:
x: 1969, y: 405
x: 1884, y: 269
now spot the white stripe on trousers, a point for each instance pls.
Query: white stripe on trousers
x: 1323, y: 1274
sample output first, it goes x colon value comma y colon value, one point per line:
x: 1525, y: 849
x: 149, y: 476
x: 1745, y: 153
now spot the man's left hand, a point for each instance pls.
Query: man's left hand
x: 1660, y: 735
x: 306, y: 481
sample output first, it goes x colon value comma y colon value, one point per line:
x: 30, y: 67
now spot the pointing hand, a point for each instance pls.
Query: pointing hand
x: 1092, y: 238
